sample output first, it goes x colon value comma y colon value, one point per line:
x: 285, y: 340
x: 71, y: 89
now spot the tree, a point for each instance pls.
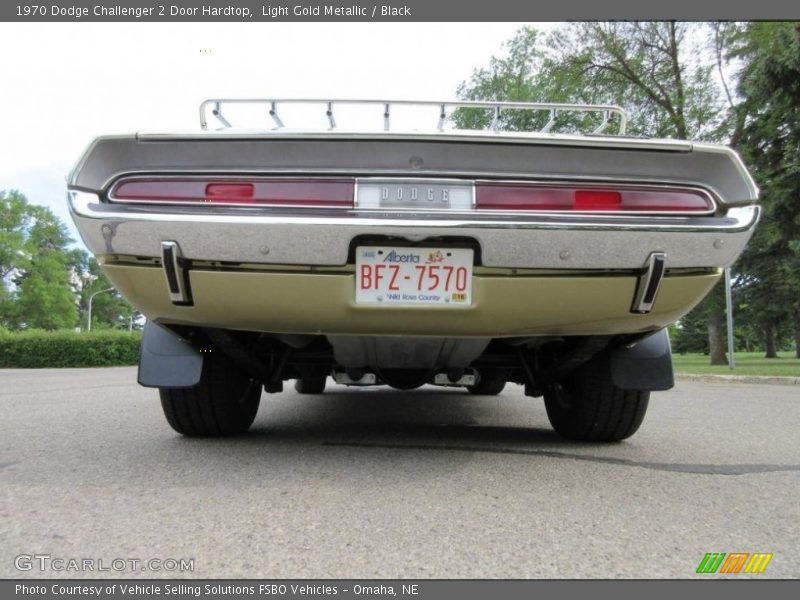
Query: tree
x: 13, y: 220
x: 653, y: 69
x: 109, y: 310
x: 35, y: 277
x: 769, y: 82
x: 43, y: 283
x: 690, y: 335
x: 662, y: 72
x: 44, y: 299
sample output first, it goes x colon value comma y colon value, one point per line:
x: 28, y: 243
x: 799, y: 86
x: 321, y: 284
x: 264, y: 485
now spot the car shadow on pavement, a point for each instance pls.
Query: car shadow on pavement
x: 441, y: 421
x: 381, y: 414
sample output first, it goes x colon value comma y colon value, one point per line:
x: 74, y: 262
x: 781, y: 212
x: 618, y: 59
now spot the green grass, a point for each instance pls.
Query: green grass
x: 747, y: 363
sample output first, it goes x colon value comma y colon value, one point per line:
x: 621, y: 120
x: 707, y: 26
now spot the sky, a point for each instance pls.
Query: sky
x: 62, y: 84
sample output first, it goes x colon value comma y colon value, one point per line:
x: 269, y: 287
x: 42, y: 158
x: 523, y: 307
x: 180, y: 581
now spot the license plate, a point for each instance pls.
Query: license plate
x: 414, y: 276
x: 415, y: 194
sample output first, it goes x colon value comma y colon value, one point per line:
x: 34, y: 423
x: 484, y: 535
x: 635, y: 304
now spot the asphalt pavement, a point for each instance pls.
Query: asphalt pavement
x: 373, y: 483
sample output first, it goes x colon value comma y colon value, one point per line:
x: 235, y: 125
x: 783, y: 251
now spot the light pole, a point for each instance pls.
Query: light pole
x: 729, y: 316
x: 89, y: 319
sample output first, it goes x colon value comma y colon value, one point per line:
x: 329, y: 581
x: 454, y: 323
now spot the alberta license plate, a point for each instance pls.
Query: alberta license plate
x: 414, y: 276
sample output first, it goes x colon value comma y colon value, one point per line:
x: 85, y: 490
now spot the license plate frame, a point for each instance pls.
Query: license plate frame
x: 410, y: 276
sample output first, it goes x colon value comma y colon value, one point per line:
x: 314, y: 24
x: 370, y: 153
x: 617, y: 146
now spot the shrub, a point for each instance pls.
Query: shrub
x: 49, y: 349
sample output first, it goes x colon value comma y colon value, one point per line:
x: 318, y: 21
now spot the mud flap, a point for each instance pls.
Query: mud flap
x: 166, y: 360
x: 644, y: 365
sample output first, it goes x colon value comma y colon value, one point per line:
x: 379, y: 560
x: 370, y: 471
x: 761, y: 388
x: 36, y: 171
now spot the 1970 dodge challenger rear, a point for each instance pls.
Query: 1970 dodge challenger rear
x: 463, y: 258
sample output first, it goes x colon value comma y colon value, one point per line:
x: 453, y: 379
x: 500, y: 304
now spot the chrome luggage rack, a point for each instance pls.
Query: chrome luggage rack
x: 445, y: 109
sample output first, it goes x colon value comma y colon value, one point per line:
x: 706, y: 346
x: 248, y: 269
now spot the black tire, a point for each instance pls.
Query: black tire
x: 589, y: 407
x: 487, y: 386
x: 225, y: 402
x: 310, y: 384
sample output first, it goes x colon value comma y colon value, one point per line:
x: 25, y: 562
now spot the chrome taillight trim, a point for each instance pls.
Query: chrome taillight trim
x: 712, y: 198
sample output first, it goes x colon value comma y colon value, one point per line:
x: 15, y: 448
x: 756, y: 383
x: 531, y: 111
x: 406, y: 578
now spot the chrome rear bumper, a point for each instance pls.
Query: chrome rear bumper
x: 322, y: 239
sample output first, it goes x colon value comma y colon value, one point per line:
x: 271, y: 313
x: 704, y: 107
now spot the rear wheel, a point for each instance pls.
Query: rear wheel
x: 225, y: 402
x: 310, y: 384
x: 589, y: 407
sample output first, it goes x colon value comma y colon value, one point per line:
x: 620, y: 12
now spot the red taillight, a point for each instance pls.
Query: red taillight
x: 540, y: 197
x: 233, y: 193
x: 597, y: 200
x: 154, y: 190
x: 265, y: 192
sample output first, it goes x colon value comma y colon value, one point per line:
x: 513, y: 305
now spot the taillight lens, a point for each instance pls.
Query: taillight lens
x: 540, y: 197
x: 232, y: 193
x: 264, y: 192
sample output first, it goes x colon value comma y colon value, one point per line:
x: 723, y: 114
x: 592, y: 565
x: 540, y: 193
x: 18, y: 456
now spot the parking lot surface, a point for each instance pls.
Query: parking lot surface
x: 369, y: 483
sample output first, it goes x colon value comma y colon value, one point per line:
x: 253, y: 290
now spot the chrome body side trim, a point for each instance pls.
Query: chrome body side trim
x: 279, y: 236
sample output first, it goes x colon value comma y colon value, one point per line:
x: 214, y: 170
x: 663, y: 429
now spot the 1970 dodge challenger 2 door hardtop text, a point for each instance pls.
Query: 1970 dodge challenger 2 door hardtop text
x: 400, y: 257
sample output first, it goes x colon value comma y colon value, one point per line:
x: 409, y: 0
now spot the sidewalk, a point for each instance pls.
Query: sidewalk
x: 715, y: 378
